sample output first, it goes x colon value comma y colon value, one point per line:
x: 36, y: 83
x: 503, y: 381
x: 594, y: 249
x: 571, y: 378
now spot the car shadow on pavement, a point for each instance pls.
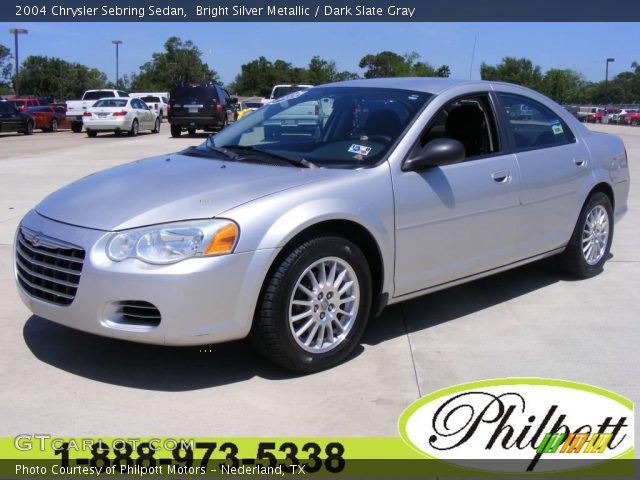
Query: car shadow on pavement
x: 143, y: 366
x: 456, y: 302
x: 174, y: 369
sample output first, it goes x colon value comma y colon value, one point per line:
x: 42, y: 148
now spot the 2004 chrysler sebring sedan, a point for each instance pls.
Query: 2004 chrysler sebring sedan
x: 404, y: 186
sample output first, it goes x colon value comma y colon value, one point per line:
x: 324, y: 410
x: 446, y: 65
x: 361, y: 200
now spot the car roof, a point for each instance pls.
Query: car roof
x: 434, y: 85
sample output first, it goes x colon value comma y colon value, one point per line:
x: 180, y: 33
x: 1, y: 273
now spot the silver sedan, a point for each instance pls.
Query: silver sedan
x: 295, y: 239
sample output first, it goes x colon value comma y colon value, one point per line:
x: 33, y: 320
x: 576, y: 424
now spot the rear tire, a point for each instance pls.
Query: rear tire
x: 76, y: 127
x: 92, y: 133
x: 54, y: 125
x: 307, y: 325
x: 176, y: 131
x: 135, y: 128
x: 156, y: 127
x: 634, y: 122
x: 590, y: 242
x: 192, y: 131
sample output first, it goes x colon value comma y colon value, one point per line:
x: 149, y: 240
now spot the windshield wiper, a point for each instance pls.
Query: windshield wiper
x: 210, y: 146
x: 298, y: 162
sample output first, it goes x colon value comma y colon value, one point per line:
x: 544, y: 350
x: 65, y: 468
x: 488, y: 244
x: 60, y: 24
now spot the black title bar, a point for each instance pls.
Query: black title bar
x: 320, y: 11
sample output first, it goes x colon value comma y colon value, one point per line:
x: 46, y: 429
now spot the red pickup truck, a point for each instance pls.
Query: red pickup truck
x: 594, y: 117
x: 25, y: 103
x: 630, y: 118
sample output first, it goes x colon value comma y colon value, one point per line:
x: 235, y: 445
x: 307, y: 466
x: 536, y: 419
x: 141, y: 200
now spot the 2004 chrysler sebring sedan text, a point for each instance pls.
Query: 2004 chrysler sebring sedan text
x: 405, y: 186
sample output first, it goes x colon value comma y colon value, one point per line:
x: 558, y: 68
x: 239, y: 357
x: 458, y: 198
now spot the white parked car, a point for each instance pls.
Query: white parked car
x: 157, y: 103
x: 120, y: 115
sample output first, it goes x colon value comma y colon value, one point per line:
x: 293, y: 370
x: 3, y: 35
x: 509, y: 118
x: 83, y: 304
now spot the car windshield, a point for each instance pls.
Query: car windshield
x: 111, y: 102
x: 341, y: 127
x: 150, y: 99
x: 17, y: 103
x: 279, y: 92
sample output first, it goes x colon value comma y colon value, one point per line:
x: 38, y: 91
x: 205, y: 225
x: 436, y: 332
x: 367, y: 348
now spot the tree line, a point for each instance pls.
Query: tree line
x: 181, y: 60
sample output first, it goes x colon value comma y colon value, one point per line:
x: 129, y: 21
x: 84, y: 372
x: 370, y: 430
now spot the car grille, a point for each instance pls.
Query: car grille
x: 138, y: 312
x: 47, y: 268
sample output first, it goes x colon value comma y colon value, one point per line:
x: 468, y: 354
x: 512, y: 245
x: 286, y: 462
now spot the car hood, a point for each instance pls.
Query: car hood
x: 168, y: 188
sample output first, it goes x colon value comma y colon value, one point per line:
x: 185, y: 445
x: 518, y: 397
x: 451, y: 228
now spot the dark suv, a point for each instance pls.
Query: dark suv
x: 198, y: 106
x: 12, y: 120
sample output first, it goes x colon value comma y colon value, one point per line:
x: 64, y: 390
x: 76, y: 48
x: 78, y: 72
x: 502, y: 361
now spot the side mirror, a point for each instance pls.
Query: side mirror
x: 438, y: 152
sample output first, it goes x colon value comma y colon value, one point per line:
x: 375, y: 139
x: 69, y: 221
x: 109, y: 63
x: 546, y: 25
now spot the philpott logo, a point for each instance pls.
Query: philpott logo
x: 521, y: 425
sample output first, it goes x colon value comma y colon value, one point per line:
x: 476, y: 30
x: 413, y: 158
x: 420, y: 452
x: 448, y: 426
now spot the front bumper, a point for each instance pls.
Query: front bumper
x: 201, y: 300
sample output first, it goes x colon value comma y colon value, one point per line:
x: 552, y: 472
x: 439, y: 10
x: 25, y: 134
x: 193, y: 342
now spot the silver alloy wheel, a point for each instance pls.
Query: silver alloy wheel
x: 324, y: 305
x: 595, y: 234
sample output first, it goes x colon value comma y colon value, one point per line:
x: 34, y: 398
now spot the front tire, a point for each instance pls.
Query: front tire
x: 590, y: 242
x: 29, y: 128
x: 92, y: 133
x: 76, y: 127
x: 314, y: 306
x: 634, y: 122
x: 156, y: 127
x: 54, y: 125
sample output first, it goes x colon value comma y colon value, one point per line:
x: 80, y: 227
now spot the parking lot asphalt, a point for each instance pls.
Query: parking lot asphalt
x: 532, y: 321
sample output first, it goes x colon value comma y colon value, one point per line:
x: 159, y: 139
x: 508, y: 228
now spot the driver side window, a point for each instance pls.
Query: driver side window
x: 469, y: 120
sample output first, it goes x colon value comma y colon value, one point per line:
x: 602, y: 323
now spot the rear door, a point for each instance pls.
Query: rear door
x: 553, y: 166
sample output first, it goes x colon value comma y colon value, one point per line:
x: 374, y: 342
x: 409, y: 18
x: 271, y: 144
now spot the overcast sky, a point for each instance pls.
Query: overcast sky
x: 581, y: 46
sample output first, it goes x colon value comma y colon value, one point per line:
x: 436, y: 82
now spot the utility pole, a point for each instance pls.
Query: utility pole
x: 606, y: 74
x: 15, y: 32
x: 117, y: 43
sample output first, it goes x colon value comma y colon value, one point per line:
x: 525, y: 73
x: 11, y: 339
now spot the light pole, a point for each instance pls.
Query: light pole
x: 16, y: 32
x: 606, y: 74
x: 117, y: 44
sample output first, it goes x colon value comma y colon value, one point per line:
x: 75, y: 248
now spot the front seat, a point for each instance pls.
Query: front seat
x: 466, y: 124
x: 385, y: 123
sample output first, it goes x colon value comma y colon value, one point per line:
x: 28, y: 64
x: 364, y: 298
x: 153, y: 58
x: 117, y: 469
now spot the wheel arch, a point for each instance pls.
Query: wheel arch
x: 350, y: 230
x: 605, y: 188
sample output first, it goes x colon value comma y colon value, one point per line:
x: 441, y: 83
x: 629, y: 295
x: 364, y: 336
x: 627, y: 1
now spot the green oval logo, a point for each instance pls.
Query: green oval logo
x: 521, y: 425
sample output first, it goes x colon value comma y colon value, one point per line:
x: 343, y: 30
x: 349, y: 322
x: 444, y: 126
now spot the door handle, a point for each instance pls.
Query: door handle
x: 501, y: 176
x: 580, y: 162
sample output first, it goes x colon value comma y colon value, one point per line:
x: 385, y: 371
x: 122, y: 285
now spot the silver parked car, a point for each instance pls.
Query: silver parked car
x: 407, y: 186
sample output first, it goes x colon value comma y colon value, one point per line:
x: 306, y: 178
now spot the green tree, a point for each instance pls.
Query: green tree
x: 564, y: 86
x: 390, y: 64
x: 384, y: 64
x: 57, y: 78
x: 181, y: 61
x: 520, y: 71
x: 5, y: 66
x: 322, y: 71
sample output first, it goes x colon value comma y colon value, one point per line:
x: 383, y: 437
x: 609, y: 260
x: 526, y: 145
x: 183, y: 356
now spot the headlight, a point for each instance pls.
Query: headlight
x: 173, y: 242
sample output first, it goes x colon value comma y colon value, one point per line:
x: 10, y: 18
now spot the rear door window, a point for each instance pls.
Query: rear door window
x: 98, y: 95
x: 533, y: 125
x: 190, y: 94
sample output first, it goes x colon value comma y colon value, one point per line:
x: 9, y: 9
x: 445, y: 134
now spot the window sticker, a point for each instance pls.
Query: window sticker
x: 359, y: 149
x: 557, y: 129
